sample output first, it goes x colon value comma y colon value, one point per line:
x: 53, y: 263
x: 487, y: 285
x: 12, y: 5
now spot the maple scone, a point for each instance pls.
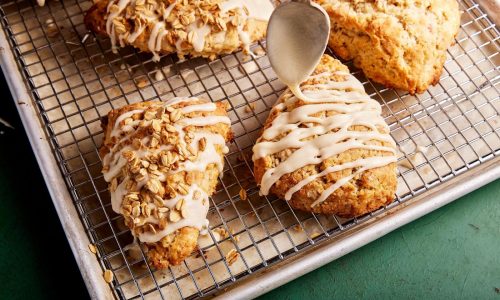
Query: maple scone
x: 328, y: 151
x: 187, y: 27
x: 162, y: 160
x: 399, y: 43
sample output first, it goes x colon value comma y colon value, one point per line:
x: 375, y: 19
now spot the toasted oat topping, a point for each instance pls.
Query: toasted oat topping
x: 92, y: 248
x: 189, y: 26
x: 232, y: 256
x: 108, y: 276
x: 149, y: 166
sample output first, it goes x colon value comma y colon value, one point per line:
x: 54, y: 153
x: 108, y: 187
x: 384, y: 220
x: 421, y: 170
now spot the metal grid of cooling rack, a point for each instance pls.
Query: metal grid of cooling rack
x: 443, y: 132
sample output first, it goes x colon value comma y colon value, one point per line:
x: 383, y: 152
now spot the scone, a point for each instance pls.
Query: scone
x: 187, y: 27
x: 330, y: 152
x: 162, y: 160
x: 399, y: 43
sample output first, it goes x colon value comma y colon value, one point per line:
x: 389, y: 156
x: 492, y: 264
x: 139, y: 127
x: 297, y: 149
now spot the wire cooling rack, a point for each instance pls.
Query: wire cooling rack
x: 74, y: 80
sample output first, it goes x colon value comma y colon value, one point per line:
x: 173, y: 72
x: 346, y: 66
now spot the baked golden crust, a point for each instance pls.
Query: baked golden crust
x: 399, y: 43
x: 178, y: 40
x: 365, y: 192
x: 153, y: 217
x: 174, y: 249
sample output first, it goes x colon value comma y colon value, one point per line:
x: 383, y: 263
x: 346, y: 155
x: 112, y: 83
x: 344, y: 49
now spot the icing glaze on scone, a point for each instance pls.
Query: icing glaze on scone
x: 151, y: 159
x: 320, y: 120
x: 183, y: 24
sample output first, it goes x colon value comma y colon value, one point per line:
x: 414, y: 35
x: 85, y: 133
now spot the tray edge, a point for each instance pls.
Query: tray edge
x: 362, y: 234
x: 75, y: 233
x: 252, y: 286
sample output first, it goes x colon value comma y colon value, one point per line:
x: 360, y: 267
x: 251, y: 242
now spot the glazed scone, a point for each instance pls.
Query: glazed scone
x: 187, y: 27
x: 330, y: 153
x: 162, y: 160
x: 399, y: 43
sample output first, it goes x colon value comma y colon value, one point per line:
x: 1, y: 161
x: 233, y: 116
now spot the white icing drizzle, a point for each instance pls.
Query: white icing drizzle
x: 257, y: 9
x: 327, y: 136
x: 197, y: 215
x: 114, y: 162
x: 199, y: 34
x: 249, y: 9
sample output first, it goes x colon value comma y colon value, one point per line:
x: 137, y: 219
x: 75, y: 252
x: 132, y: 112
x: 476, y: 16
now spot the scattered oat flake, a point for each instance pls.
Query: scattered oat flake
x: 297, y: 228
x: 92, y: 248
x: 314, y: 235
x: 246, y: 58
x: 221, y: 232
x: 232, y: 256
x: 108, y: 276
x: 243, y: 194
x: 236, y: 238
x: 6, y: 124
x: 406, y: 163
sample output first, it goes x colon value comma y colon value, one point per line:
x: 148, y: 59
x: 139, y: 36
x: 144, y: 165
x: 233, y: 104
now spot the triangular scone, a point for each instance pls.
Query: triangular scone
x: 162, y: 160
x: 331, y: 153
x: 187, y: 27
x: 401, y: 44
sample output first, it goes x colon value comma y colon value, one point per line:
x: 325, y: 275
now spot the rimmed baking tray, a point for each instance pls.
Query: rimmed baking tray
x: 64, y: 80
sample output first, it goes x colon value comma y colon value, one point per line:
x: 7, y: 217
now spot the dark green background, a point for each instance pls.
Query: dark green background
x: 453, y: 252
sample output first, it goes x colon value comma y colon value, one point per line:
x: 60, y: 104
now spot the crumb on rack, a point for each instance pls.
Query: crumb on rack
x: 241, y: 69
x: 236, y: 238
x: 314, y: 235
x: 259, y: 51
x: 405, y: 163
x: 142, y: 83
x: 250, y: 107
x: 297, y: 228
x: 221, y: 232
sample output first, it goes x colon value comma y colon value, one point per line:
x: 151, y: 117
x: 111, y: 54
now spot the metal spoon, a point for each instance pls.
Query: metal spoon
x: 297, y: 35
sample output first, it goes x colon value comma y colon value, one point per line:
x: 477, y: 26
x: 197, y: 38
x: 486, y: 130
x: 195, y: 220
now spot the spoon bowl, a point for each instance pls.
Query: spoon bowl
x: 297, y: 35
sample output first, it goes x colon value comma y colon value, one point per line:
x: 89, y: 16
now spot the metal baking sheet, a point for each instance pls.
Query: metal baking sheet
x: 448, y: 136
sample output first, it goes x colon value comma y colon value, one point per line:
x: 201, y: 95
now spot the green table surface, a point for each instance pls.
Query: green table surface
x: 453, y: 252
